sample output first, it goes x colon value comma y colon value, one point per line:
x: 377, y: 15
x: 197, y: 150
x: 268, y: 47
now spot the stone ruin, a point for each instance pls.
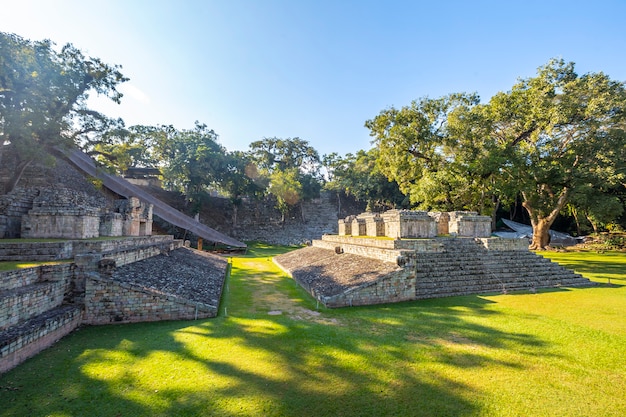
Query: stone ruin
x: 412, y: 224
x: 404, y: 255
x: 69, y: 214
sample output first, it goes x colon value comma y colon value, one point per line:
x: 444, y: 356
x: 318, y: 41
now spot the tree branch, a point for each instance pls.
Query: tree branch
x: 522, y: 136
x: 418, y: 154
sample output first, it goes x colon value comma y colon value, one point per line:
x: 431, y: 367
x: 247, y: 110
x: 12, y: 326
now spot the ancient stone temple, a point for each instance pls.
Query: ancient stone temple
x: 399, y: 224
x: 420, y: 255
x: 67, y: 214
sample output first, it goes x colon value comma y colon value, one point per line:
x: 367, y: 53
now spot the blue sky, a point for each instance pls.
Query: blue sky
x: 317, y: 69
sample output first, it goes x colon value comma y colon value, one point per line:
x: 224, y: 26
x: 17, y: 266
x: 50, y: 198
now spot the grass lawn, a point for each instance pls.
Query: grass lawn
x: 273, y: 352
x: 11, y: 265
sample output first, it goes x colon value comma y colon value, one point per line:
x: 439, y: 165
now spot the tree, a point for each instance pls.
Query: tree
x: 545, y: 139
x: 292, y: 167
x: 192, y: 160
x: 43, y: 97
x: 438, y: 152
x: 286, y: 187
x: 282, y: 154
x: 241, y: 179
x: 360, y: 177
x: 563, y: 132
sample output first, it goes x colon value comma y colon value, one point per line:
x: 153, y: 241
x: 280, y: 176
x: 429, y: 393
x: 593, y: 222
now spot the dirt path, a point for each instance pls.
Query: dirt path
x: 267, y: 296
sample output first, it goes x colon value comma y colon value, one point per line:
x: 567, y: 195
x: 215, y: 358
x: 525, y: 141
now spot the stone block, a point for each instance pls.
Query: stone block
x: 469, y: 224
x: 409, y: 224
x: 374, y: 224
x: 345, y: 226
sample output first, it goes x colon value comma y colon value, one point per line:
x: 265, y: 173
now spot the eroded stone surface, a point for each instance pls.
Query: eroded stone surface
x: 183, y: 272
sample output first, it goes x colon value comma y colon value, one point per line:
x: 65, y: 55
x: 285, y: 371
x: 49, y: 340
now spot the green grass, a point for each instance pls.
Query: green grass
x: 11, y: 265
x: 554, y: 353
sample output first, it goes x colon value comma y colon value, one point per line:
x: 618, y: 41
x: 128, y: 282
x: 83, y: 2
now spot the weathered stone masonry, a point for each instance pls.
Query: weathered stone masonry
x: 40, y: 305
x: 409, y: 262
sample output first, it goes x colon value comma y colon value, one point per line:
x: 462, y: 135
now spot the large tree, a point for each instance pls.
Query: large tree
x: 547, y: 139
x: 438, y: 153
x: 43, y: 96
x: 282, y: 154
x: 192, y: 160
x: 564, y: 132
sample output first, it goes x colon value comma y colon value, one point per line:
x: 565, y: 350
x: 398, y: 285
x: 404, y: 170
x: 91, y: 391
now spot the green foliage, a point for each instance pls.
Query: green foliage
x: 242, y: 178
x: 43, y: 95
x: 360, y: 177
x: 615, y: 242
x: 547, y: 139
x: 272, y: 154
x: 497, y: 355
x: 286, y: 187
x: 290, y: 168
x: 435, y: 150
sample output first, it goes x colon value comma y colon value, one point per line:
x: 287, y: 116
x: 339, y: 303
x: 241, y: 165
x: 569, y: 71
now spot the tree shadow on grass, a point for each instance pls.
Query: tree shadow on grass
x: 378, y: 360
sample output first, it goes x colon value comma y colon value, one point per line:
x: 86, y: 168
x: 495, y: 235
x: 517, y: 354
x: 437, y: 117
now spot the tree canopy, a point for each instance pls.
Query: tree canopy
x: 360, y: 177
x: 43, y: 94
x: 545, y: 140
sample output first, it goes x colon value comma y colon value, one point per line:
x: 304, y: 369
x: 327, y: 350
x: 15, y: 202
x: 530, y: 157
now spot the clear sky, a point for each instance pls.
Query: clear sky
x: 317, y: 69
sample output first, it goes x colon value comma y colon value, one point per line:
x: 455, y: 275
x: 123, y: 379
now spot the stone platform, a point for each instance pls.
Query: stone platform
x: 342, y: 271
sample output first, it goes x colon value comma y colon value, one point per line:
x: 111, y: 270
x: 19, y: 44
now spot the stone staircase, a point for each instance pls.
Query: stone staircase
x: 320, y: 217
x: 465, y: 266
x: 12, y: 207
x: 341, y: 271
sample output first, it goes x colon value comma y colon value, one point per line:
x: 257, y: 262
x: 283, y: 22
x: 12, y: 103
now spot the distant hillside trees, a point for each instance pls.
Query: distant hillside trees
x: 360, y: 177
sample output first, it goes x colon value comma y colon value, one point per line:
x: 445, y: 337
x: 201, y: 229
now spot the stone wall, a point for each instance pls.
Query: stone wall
x: 108, y: 301
x: 413, y: 224
x: 343, y: 271
x: 40, y: 305
x: 32, y: 339
x: 261, y: 221
x: 394, y: 288
x: 12, y: 207
x: 34, y: 312
x: 68, y: 249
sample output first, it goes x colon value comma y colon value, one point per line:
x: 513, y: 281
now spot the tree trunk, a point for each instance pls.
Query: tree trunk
x: 494, y: 221
x: 577, y: 220
x: 541, y: 235
x: 338, y: 204
x: 235, y: 208
x: 541, y: 224
x: 593, y: 224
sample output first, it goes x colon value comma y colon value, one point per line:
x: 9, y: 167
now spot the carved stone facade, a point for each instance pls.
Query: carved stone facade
x: 411, y: 224
x: 67, y: 214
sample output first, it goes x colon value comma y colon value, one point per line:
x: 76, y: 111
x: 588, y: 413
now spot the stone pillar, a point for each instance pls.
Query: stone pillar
x: 111, y: 224
x: 442, y: 220
x: 358, y: 227
x: 345, y: 226
x: 469, y: 224
x: 374, y: 225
